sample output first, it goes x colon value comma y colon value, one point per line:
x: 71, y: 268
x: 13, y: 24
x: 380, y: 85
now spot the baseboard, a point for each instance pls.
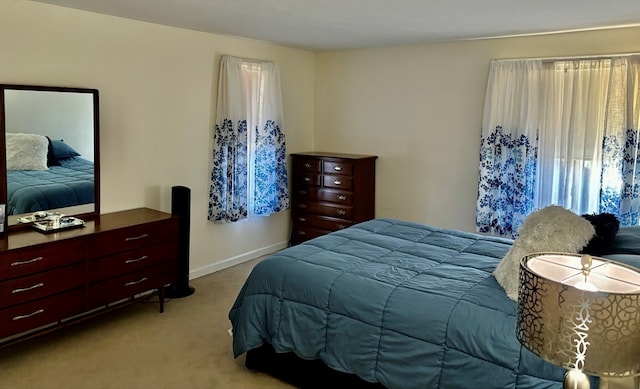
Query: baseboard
x: 226, y: 263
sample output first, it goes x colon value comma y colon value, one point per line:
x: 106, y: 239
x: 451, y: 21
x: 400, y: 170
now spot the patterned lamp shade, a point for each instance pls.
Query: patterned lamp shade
x: 581, y: 312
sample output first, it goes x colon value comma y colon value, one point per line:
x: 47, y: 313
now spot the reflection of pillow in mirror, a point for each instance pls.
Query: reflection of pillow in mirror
x: 26, y: 151
x: 62, y: 150
x: 51, y: 159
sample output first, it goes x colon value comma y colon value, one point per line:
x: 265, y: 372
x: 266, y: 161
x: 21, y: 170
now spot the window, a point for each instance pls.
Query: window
x: 249, y: 175
x: 561, y: 132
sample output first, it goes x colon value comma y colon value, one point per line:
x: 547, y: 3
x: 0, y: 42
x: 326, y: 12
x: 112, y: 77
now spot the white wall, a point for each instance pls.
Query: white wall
x: 157, y: 92
x: 419, y: 108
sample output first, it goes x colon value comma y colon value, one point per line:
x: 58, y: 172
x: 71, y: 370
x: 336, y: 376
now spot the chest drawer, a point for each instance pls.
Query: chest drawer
x: 134, y: 237
x: 41, y: 312
x: 338, y: 167
x: 307, y: 165
x: 133, y: 260
x: 341, y: 182
x: 322, y: 222
x: 331, y: 210
x: 324, y: 194
x: 303, y: 233
x: 38, y: 285
x: 20, y: 262
x: 308, y: 179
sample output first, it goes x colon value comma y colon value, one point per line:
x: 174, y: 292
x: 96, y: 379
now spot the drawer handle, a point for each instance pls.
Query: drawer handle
x: 337, y: 168
x: 39, y: 311
x: 340, y: 226
x: 302, y: 233
x: 302, y: 192
x: 337, y: 182
x: 307, y: 179
x: 136, y: 237
x: 307, y: 165
x: 302, y: 219
x: 36, y: 259
x: 342, y: 197
x: 143, y: 279
x: 136, y: 260
x: 302, y: 206
x: 341, y: 212
x: 20, y: 290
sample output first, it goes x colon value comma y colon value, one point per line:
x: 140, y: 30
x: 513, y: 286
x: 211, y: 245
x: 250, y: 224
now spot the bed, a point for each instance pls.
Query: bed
x: 45, y: 174
x: 392, y: 304
x: 70, y: 184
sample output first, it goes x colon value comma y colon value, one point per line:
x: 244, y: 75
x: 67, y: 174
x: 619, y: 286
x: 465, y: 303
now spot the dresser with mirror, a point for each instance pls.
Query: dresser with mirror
x: 52, y: 167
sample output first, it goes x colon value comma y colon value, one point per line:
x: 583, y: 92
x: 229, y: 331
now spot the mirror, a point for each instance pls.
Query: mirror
x: 51, y: 160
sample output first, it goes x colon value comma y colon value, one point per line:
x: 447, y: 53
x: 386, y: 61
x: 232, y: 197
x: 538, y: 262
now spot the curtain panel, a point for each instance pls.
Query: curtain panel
x: 561, y: 132
x: 249, y: 173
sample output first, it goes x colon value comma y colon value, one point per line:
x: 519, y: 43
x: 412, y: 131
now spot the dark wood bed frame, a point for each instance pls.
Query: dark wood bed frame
x: 305, y: 374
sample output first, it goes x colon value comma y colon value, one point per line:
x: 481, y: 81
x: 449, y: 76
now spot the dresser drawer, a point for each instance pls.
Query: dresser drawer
x: 341, y: 182
x: 321, y: 222
x: 130, y: 284
x: 38, y: 285
x: 38, y: 313
x: 338, y: 167
x: 133, y: 260
x: 130, y: 238
x: 332, y: 210
x: 20, y: 262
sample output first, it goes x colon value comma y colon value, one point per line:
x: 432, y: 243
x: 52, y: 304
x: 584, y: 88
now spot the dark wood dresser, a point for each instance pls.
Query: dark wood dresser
x: 330, y: 191
x: 49, y: 280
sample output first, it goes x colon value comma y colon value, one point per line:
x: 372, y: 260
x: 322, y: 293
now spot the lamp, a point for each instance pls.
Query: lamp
x: 582, y: 313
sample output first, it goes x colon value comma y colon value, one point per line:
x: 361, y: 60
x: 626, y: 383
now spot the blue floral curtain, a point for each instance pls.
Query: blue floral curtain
x: 621, y: 144
x: 249, y: 173
x: 559, y: 132
x: 508, y: 147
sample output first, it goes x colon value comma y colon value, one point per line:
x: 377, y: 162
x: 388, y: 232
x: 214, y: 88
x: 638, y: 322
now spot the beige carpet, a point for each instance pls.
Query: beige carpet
x: 186, y: 347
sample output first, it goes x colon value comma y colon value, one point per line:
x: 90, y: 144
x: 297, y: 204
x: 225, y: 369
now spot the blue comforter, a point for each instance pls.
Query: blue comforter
x: 403, y: 304
x: 67, y: 185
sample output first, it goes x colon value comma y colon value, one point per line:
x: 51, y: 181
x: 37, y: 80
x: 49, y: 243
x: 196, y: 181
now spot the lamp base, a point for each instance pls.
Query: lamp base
x: 575, y: 379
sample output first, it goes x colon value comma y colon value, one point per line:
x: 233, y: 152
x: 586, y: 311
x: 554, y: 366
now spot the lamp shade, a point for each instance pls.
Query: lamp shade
x: 580, y: 312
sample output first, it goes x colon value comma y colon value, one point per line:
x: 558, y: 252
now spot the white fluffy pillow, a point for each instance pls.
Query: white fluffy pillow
x: 26, y: 151
x: 550, y: 229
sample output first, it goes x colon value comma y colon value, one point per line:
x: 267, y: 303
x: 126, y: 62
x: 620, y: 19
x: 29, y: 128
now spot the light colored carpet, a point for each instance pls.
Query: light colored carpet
x: 186, y: 347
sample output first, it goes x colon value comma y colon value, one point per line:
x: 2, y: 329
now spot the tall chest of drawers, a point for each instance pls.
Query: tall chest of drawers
x: 330, y: 191
x: 49, y: 280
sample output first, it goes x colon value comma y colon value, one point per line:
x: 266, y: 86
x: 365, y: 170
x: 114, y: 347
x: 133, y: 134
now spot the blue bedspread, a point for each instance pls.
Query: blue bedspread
x: 403, y: 304
x: 67, y: 185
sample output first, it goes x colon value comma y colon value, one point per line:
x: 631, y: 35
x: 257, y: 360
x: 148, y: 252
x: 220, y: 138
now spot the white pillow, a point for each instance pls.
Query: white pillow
x: 550, y: 229
x: 26, y: 151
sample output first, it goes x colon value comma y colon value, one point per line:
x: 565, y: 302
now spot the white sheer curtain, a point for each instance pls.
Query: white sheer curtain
x: 572, y: 125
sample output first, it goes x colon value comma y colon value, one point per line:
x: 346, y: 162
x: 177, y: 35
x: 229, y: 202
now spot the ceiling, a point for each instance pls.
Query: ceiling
x: 349, y: 24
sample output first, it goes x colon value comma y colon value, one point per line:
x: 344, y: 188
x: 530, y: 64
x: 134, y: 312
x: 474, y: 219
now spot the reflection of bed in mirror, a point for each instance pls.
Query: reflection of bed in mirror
x: 59, y: 179
x: 51, y: 143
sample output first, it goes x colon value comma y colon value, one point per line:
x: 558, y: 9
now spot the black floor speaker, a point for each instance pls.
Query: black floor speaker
x: 181, y: 206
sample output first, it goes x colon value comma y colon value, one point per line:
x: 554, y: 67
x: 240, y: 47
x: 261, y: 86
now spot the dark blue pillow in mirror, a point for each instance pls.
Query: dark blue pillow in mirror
x: 51, y: 159
x: 62, y: 150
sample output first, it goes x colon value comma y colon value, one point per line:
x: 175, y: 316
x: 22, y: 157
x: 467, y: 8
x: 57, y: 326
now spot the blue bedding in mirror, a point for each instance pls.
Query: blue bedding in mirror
x: 67, y: 185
